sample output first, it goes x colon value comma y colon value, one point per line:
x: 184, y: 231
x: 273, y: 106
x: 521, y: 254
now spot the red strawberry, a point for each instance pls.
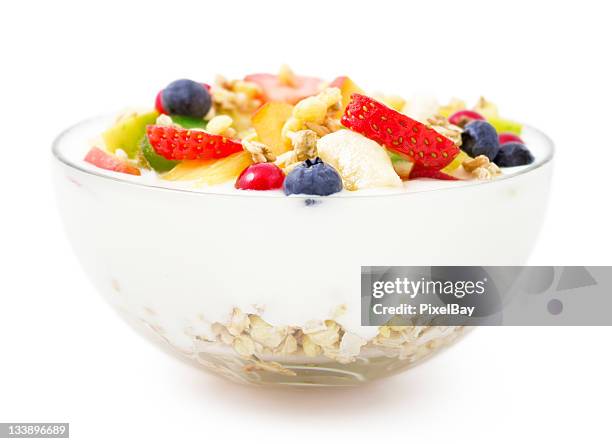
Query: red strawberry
x: 398, y: 132
x: 110, y: 162
x: 419, y: 171
x: 188, y: 144
x: 275, y: 91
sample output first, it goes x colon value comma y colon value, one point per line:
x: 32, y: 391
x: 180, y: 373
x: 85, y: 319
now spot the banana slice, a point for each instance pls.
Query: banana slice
x: 361, y: 162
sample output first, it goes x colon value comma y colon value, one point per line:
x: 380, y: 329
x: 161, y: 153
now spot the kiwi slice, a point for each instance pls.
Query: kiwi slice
x: 158, y: 163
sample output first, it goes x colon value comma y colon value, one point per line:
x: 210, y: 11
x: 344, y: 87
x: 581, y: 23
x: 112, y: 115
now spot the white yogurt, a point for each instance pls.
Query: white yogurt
x: 181, y: 260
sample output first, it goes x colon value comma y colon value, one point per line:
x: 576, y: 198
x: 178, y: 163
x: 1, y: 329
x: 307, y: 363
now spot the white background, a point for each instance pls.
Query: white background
x: 64, y: 356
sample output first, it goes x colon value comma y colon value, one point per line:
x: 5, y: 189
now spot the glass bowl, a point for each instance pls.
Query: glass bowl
x: 265, y: 289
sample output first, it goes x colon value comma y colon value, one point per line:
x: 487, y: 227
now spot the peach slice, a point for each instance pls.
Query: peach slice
x: 210, y: 172
x: 268, y: 122
x: 347, y: 89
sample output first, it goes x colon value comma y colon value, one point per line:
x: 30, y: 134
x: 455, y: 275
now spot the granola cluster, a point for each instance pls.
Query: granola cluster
x: 261, y: 344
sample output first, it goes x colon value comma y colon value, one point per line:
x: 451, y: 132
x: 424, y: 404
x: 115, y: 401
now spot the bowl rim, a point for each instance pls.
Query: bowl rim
x: 60, y: 157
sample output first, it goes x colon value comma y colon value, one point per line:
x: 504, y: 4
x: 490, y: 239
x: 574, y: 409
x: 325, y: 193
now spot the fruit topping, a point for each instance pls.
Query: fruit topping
x: 401, y: 165
x: 189, y: 122
x: 286, y: 86
x: 479, y: 137
x: 361, y: 162
x: 513, y: 154
x: 397, y: 132
x: 261, y: 176
x: 313, y: 177
x: 505, y: 126
x: 210, y: 172
x: 128, y: 131
x: 268, y: 122
x: 347, y: 89
x: 489, y: 111
x: 190, y: 144
x: 463, y: 117
x: 154, y: 160
x: 110, y: 162
x: 159, y: 106
x: 186, y: 98
x: 419, y: 171
x: 509, y: 137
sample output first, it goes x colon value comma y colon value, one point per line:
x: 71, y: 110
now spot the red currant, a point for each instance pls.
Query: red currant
x: 261, y: 176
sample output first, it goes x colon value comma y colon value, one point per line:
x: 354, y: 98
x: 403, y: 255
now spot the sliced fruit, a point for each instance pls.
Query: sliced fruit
x: 190, y: 144
x: 456, y: 163
x: 505, y: 126
x: 189, y: 122
x: 463, y: 117
x: 128, y: 131
x: 268, y: 122
x: 509, y: 137
x: 154, y: 160
x: 361, y: 162
x: 260, y: 176
x: 347, y: 89
x: 401, y: 165
x: 399, y: 133
x: 277, y: 90
x: 419, y: 171
x: 210, y: 172
x: 110, y: 162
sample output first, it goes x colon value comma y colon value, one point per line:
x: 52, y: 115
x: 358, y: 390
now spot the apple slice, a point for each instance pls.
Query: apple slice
x: 268, y: 122
x: 110, y: 162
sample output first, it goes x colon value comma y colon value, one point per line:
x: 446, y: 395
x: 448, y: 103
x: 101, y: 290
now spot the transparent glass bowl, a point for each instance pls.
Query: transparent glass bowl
x: 263, y: 288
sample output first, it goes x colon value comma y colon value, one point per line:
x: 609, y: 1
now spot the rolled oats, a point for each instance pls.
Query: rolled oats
x: 268, y: 366
x: 266, y: 334
x: 239, y: 322
x: 244, y: 345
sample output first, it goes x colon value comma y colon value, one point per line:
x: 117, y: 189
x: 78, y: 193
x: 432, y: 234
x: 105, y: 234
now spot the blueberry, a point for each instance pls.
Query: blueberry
x: 479, y: 137
x: 513, y: 154
x: 313, y: 177
x: 186, y: 98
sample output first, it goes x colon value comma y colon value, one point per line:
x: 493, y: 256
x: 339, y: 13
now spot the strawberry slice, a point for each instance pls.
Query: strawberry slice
x: 398, y: 132
x: 276, y: 91
x: 419, y: 171
x: 188, y: 144
x: 107, y: 161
